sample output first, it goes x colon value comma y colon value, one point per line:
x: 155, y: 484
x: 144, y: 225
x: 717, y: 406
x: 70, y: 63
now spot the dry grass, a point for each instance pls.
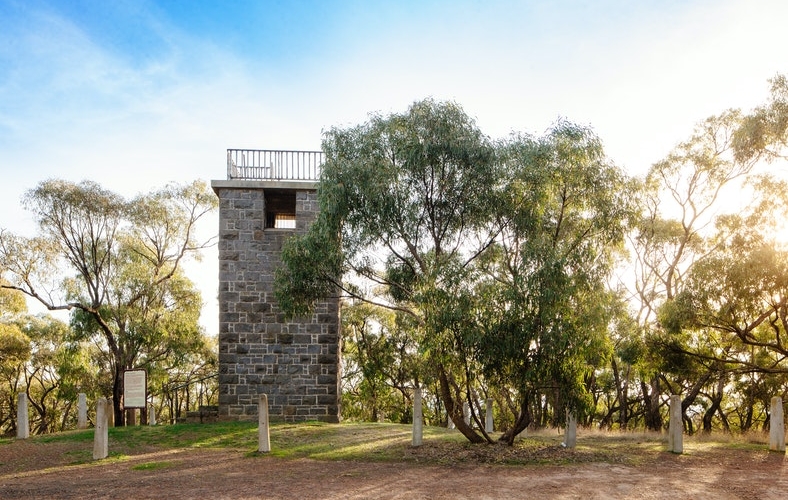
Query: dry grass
x: 380, y: 442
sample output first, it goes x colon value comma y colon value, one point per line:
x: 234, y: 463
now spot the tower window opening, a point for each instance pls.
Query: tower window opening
x: 284, y: 221
x: 280, y: 209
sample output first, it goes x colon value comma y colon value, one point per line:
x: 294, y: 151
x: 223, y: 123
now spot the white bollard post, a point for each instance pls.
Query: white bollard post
x: 418, y: 419
x: 82, y: 411
x: 152, y: 415
x: 570, y: 439
x: 101, y: 432
x: 263, y: 436
x: 777, y: 426
x: 488, y: 418
x: 22, y: 419
x: 675, y: 426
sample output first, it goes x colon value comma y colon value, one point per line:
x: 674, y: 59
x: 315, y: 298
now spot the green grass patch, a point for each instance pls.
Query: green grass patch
x: 217, y: 435
x: 355, y: 441
x: 67, y: 437
x: 386, y: 442
x: 152, y: 466
x: 77, y: 457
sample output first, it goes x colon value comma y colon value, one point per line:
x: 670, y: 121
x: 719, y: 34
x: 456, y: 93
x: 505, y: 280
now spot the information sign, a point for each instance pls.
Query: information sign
x: 135, y: 388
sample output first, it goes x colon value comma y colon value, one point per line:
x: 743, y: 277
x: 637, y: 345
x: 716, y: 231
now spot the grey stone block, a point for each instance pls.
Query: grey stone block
x: 260, y: 350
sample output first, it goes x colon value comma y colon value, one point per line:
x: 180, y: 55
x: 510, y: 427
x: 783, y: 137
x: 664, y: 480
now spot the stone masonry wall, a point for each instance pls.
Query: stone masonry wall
x: 296, y: 364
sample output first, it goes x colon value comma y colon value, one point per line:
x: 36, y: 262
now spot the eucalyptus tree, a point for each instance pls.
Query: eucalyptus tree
x: 185, y: 379
x: 14, y: 354
x: 33, y: 353
x: 496, y: 251
x: 693, y: 208
x: 683, y: 196
x: 116, y: 264
x: 562, y: 219
x: 740, y: 294
x: 763, y: 133
x: 41, y: 374
x: 380, y: 365
x: 405, y: 206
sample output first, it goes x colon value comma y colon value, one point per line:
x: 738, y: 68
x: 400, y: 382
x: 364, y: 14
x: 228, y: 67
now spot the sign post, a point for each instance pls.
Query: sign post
x: 135, y: 389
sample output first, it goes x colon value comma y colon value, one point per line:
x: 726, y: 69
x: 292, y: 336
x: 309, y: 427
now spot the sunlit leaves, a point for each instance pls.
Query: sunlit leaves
x: 498, y: 251
x: 763, y: 134
x: 116, y: 264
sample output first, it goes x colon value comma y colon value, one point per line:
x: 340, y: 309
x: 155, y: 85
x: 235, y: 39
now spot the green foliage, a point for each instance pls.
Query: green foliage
x: 764, y: 132
x: 14, y: 345
x: 12, y: 303
x: 707, y: 266
x: 116, y: 265
x: 564, y: 218
x: 497, y: 251
x: 381, y: 365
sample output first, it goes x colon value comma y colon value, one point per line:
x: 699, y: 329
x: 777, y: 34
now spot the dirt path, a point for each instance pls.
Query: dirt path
x: 186, y: 474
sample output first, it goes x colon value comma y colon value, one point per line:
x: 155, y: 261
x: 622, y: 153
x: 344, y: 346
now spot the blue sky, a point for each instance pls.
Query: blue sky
x: 135, y: 94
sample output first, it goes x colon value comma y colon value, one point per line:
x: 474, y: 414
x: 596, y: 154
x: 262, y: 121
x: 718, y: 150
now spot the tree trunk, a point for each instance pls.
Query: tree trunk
x: 692, y: 395
x: 117, y: 396
x: 454, y: 409
x: 716, y: 402
x: 523, y: 421
x: 622, y: 392
x: 747, y: 421
x: 724, y: 420
x: 623, y: 421
x: 652, y: 415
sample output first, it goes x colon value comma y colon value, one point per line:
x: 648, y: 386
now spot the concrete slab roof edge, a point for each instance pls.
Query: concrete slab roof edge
x: 263, y: 184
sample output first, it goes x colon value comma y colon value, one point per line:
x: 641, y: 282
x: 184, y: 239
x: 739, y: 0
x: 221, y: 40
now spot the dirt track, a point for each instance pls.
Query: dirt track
x: 30, y: 471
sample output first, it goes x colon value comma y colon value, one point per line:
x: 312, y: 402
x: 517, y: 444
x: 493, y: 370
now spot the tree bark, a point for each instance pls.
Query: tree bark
x: 524, y: 419
x: 652, y: 415
x: 454, y: 409
x: 117, y: 396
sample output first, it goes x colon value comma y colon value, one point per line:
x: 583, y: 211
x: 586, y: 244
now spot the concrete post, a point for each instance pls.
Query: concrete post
x: 22, y: 419
x: 777, y: 426
x: 488, y: 418
x: 82, y: 411
x: 418, y: 419
x: 466, y: 413
x: 101, y: 432
x: 570, y: 439
x: 152, y: 415
x: 676, y: 426
x: 263, y: 435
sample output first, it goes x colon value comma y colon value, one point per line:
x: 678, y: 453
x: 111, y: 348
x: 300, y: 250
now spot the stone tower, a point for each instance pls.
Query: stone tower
x: 268, y: 197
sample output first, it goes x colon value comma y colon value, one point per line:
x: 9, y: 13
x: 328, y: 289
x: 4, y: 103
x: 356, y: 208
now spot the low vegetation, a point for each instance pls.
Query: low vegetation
x: 372, y: 442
